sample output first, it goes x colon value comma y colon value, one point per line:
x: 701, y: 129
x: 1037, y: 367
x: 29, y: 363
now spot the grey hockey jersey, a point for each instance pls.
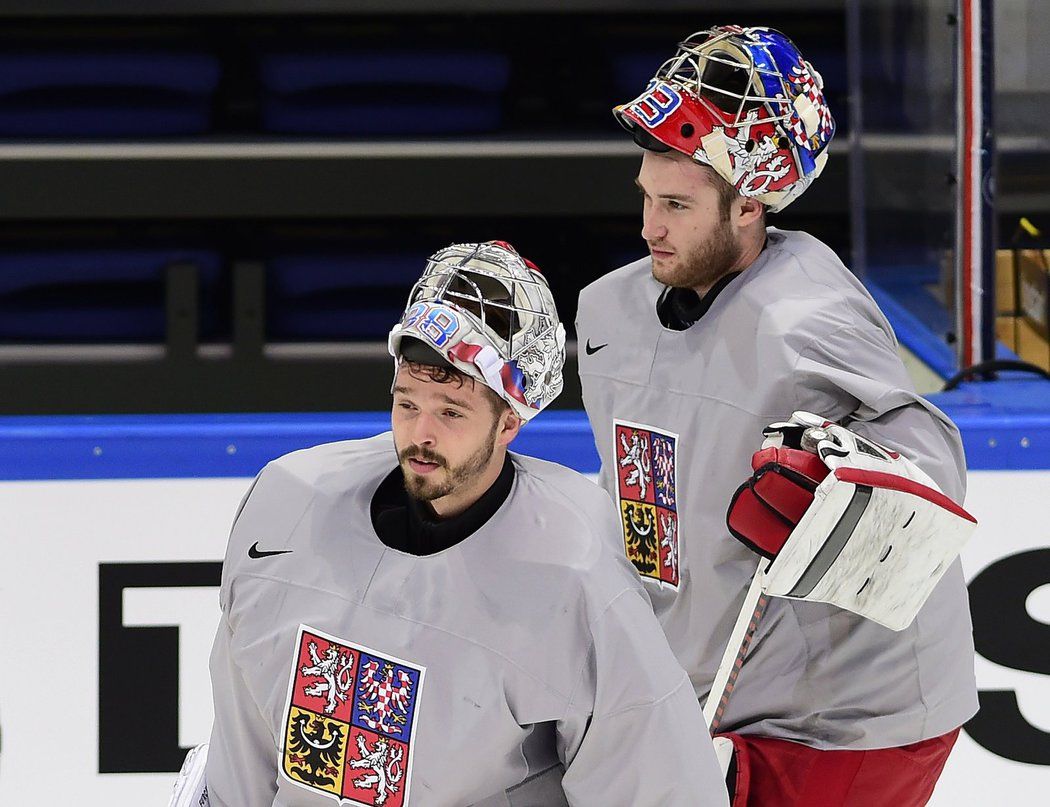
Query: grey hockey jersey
x: 522, y: 666
x: 676, y: 416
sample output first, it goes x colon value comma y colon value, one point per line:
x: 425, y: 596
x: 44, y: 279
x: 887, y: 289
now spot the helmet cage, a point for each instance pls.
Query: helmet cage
x: 744, y: 102
x: 507, y: 322
x: 490, y: 314
x: 695, y: 60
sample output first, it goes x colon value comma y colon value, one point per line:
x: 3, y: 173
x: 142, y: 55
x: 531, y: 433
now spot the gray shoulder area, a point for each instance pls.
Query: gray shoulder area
x: 573, y: 525
x: 802, y: 290
x: 612, y: 285
x: 560, y: 483
x: 323, y: 466
x: 286, y: 487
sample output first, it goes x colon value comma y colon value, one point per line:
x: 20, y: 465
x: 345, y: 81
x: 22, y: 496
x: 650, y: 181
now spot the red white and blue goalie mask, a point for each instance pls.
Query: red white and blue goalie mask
x: 490, y: 314
x: 743, y: 101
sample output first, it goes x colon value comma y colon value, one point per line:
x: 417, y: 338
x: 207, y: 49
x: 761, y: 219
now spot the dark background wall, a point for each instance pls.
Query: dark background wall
x: 220, y: 206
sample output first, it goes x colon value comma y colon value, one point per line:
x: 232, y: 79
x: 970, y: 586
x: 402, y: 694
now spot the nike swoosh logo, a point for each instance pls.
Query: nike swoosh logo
x: 255, y: 552
x: 592, y: 350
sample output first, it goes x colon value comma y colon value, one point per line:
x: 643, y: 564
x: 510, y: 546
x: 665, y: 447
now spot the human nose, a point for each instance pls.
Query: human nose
x: 423, y: 431
x: 653, y: 228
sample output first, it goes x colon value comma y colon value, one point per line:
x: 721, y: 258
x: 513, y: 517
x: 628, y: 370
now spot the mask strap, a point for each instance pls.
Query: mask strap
x: 490, y: 363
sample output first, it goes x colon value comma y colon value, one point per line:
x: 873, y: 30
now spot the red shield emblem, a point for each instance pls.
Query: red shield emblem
x: 646, y: 469
x: 349, y: 721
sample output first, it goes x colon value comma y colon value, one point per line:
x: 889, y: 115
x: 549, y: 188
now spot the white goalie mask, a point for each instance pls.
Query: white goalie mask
x: 490, y: 314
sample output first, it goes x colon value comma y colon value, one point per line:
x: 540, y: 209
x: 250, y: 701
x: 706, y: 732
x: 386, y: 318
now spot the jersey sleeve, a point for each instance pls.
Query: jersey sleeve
x: 242, y: 758
x: 855, y: 376
x: 635, y: 733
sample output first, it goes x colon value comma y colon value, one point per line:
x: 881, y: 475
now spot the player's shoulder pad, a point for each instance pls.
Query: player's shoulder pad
x: 561, y: 483
x: 805, y: 292
x: 613, y: 283
x: 287, y: 486
x: 799, y: 268
x: 316, y: 461
x: 572, y: 514
x: 573, y: 533
x: 323, y: 467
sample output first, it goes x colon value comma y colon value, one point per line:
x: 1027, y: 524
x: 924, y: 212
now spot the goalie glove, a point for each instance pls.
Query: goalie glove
x: 846, y: 521
x: 191, y: 788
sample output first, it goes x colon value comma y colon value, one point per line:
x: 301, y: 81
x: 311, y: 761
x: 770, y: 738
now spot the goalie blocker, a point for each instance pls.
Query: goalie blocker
x: 846, y: 521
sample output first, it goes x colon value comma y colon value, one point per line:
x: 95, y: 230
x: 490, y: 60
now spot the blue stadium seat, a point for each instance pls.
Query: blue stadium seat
x: 96, y: 295
x: 106, y: 94
x: 390, y: 93
x: 337, y: 296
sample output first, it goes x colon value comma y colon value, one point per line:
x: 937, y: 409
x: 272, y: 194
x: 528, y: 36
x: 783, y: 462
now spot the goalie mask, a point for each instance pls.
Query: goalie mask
x: 743, y: 101
x: 489, y: 313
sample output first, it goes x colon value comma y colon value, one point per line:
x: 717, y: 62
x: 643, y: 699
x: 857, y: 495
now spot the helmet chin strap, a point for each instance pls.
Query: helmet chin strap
x: 390, y: 339
x: 489, y: 362
x: 714, y: 152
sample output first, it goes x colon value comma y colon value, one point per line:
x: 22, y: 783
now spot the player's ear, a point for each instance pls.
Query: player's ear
x: 508, y: 427
x: 748, y: 210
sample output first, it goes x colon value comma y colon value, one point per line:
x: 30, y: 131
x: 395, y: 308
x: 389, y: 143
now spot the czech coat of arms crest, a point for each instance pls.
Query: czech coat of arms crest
x: 646, y: 460
x: 349, y: 721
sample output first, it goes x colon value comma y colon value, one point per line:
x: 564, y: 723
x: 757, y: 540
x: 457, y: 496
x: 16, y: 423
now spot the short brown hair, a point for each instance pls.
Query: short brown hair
x: 727, y: 194
x: 453, y: 375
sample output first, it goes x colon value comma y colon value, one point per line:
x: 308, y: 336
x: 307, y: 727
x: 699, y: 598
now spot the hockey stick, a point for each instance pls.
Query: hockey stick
x: 751, y: 611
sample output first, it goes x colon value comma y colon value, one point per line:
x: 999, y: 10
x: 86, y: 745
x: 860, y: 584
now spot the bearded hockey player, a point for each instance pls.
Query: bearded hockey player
x: 425, y: 618
x: 730, y: 325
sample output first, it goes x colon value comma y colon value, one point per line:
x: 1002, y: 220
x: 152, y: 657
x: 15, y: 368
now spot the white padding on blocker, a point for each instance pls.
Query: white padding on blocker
x: 872, y: 543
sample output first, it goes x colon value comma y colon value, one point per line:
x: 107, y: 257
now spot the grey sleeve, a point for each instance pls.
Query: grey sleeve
x: 227, y: 565
x: 636, y: 734
x: 854, y: 376
x: 242, y: 756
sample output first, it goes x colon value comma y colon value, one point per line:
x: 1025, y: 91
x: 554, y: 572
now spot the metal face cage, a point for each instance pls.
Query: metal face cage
x: 507, y: 301
x: 714, y: 66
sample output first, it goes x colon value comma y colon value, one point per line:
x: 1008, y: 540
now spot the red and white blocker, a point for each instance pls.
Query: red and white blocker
x: 842, y: 520
x: 847, y: 522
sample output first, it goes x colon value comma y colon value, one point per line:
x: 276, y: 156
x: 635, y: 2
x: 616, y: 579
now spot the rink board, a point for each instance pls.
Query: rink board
x: 114, y: 531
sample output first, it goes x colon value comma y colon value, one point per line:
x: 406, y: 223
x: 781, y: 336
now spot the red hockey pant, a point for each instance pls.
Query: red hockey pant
x: 781, y: 773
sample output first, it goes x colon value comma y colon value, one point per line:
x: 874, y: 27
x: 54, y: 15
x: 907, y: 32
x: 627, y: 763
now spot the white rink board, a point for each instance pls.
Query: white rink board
x: 55, y: 535
x: 1013, y: 509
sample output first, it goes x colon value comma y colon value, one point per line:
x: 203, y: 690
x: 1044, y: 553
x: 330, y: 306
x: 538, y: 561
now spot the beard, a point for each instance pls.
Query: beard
x: 445, y: 479
x: 704, y: 264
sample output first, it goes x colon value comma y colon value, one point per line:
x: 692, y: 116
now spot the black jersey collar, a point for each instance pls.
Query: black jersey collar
x: 411, y: 526
x: 679, y: 309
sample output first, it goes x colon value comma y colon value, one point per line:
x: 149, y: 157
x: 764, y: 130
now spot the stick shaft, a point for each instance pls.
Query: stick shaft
x: 751, y: 611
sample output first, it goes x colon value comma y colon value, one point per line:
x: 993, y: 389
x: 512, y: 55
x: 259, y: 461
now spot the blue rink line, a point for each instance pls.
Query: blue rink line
x: 1005, y: 425
x: 172, y: 446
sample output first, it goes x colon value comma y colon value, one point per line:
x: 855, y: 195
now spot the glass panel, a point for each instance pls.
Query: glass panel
x: 902, y: 156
